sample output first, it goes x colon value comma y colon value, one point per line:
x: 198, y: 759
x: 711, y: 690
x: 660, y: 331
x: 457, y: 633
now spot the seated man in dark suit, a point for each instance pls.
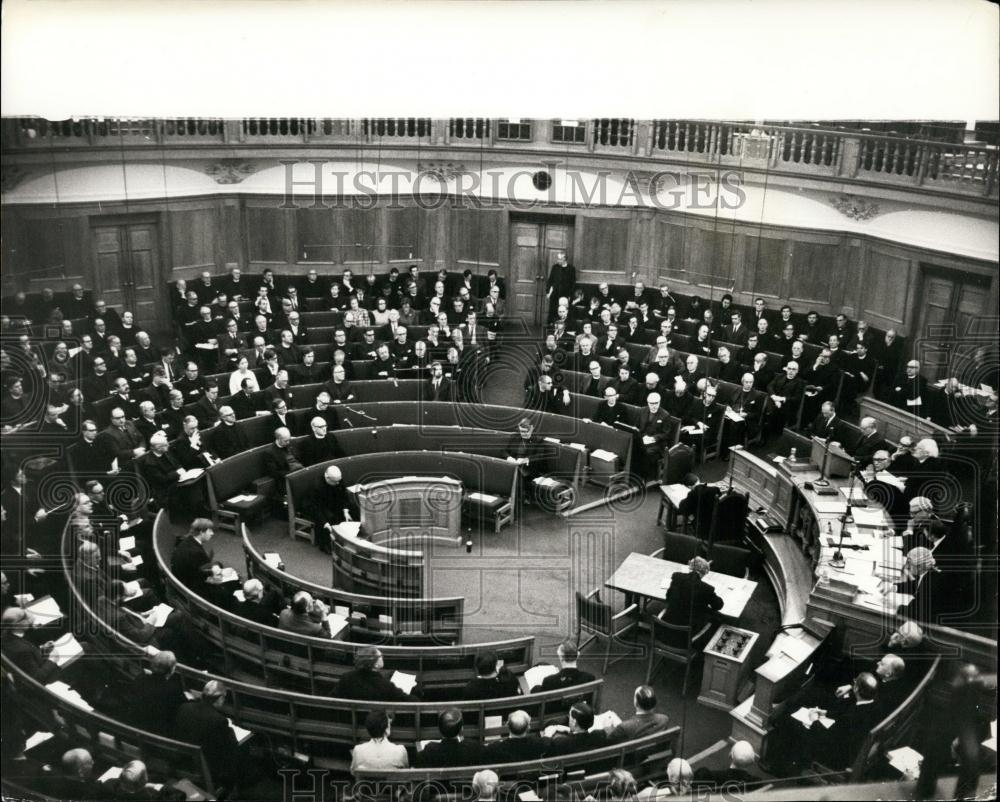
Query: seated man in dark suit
x: 192, y: 557
x: 154, y: 698
x: 577, y: 737
x: 854, y: 714
x: 610, y: 411
x: 691, y: 601
x: 870, y: 442
x: 826, y: 423
x: 279, y: 459
x: 366, y: 683
x: 24, y: 654
x: 75, y: 779
x: 645, y: 721
x: 742, y: 758
x: 320, y: 445
x: 260, y: 605
x: 705, y: 418
x: 529, y: 451
x: 227, y: 438
x: 568, y: 674
x: 451, y: 750
x: 493, y: 680
x: 305, y: 616
x: 520, y: 743
x: 653, y: 434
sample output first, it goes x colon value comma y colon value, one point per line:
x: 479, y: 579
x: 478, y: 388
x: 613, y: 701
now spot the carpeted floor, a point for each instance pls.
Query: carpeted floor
x: 523, y: 580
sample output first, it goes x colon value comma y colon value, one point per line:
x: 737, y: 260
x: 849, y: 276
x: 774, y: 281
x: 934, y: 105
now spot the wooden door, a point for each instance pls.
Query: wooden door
x: 126, y: 257
x: 955, y: 305
x: 533, y: 248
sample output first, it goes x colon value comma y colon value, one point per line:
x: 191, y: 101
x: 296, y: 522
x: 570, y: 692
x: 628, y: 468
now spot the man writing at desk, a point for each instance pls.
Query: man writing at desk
x: 328, y: 505
x: 692, y: 602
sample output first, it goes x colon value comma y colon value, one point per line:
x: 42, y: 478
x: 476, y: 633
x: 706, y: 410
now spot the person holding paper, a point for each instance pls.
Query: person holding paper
x: 379, y: 752
x: 161, y: 470
x: 701, y: 427
x: 910, y: 390
x: 568, y: 674
x: 328, y: 504
x: 577, y: 737
x: 188, y: 449
x: 493, y: 680
x: 192, y: 558
x: 741, y: 417
x: 24, y: 654
x: 784, y: 394
x: 654, y: 431
x: 365, y: 681
x: 155, y: 696
x: 306, y: 616
x: 259, y: 604
x: 203, y: 723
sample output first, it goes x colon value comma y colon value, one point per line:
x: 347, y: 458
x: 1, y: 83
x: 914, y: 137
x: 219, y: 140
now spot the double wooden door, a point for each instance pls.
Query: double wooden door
x: 957, y: 318
x: 533, y: 248
x: 127, y: 270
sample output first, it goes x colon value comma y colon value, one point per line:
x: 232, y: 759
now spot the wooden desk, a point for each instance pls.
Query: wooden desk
x: 895, y: 422
x: 647, y: 576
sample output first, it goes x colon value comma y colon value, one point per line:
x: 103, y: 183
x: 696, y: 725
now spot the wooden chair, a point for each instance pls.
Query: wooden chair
x: 730, y: 560
x: 729, y: 517
x: 678, y: 463
x: 672, y: 642
x: 680, y: 548
x: 599, y: 620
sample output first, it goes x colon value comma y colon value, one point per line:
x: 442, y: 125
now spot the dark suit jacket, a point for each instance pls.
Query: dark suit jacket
x: 608, y: 414
x: 153, y: 702
x: 514, y: 750
x: 866, y: 448
x: 690, y: 600
x: 639, y: 725
x: 28, y: 657
x: 313, y: 450
x: 89, y: 458
x: 564, y: 679
x: 445, y: 390
x: 186, y: 454
x: 503, y: 685
x: 198, y: 723
x: 279, y: 462
x: 120, y: 442
x: 563, y: 744
x: 654, y: 425
x: 449, y: 752
x: 700, y: 502
x: 825, y: 428
x: 227, y: 440
x: 206, y: 412
x: 161, y: 473
x: 369, y: 685
x: 188, y: 562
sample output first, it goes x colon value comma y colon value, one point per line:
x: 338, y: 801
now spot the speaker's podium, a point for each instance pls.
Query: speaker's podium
x: 411, y: 511
x: 833, y: 461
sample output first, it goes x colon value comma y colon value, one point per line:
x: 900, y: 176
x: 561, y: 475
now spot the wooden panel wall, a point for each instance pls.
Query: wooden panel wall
x: 812, y: 269
x: 193, y: 242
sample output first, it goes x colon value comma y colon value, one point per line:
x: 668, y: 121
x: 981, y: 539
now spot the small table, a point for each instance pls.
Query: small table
x: 642, y: 575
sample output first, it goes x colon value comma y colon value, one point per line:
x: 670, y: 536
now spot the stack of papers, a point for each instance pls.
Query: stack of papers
x: 244, y: 498
x: 405, y: 682
x: 546, y: 481
x: 337, y: 624
x: 67, y: 648
x: 126, y: 543
x: 44, y: 611
x: 676, y: 493
x: 272, y: 558
x: 865, y: 516
x: 577, y: 446
x: 63, y: 691
x: 486, y: 498
x: 733, y: 416
x: 552, y: 440
x: 600, y: 453
x: 229, y: 574
x: 190, y: 474
x: 802, y: 715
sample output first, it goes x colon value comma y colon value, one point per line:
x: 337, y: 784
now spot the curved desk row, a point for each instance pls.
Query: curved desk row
x: 375, y: 618
x: 316, y: 725
x: 107, y: 740
x: 314, y: 665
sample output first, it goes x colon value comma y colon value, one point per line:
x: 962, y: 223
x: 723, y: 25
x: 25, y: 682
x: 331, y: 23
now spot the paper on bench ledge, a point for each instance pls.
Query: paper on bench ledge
x: 552, y: 440
x: 405, y: 682
x: 36, y: 739
x: 484, y: 497
x: 272, y: 558
x: 607, y: 456
x: 905, y: 760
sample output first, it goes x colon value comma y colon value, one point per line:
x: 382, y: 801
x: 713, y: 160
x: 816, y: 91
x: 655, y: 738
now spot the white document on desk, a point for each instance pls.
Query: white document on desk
x: 830, y: 506
x: 868, y: 516
x: 676, y: 493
